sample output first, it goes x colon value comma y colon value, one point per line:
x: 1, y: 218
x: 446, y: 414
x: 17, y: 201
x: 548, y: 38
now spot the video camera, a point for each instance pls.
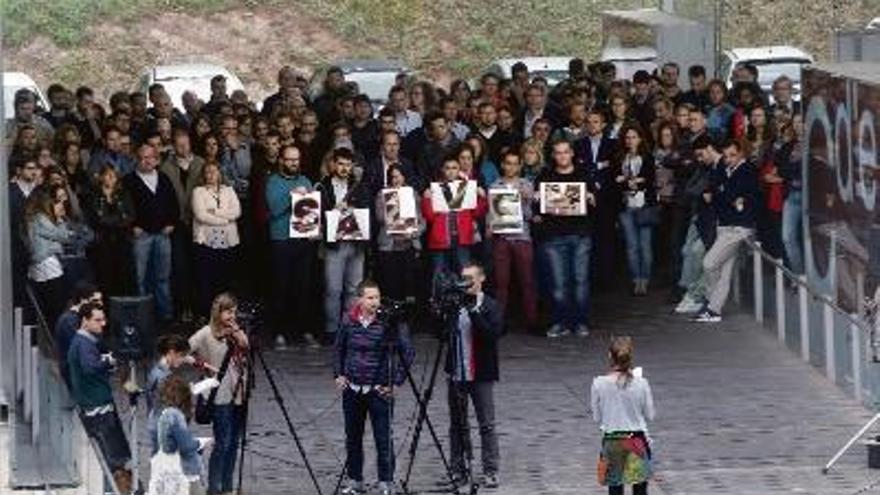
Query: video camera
x: 450, y: 294
x: 392, y: 312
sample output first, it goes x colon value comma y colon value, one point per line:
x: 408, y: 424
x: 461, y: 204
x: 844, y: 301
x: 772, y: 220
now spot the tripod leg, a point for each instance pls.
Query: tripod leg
x: 290, y: 426
x: 244, y: 419
x: 423, y: 401
x: 850, y: 443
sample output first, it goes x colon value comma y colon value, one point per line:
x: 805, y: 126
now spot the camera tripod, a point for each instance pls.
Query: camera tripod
x: 256, y: 355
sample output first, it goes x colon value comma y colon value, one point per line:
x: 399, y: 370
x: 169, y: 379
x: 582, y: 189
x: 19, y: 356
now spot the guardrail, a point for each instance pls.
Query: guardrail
x: 817, y: 327
x: 49, y: 447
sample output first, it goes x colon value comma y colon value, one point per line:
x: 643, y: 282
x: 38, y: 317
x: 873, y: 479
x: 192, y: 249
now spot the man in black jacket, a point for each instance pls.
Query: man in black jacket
x: 472, y: 368
x: 156, y: 213
x: 344, y: 254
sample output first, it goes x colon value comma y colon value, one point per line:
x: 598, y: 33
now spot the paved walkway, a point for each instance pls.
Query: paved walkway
x: 737, y: 413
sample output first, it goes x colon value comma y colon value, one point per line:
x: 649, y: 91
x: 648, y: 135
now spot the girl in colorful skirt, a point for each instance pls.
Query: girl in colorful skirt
x: 622, y: 405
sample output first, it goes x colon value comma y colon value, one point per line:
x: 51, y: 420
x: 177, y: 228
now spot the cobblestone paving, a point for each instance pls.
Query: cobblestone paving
x: 737, y: 413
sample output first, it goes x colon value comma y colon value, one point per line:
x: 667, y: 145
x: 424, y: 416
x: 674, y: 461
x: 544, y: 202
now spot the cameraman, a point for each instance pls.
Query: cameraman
x: 472, y: 365
x: 363, y: 369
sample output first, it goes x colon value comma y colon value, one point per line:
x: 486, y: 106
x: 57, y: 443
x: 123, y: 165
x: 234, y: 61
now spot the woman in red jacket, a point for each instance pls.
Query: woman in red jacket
x: 451, y: 233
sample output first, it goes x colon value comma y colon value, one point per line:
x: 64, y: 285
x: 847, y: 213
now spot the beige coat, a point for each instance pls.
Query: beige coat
x: 215, y: 214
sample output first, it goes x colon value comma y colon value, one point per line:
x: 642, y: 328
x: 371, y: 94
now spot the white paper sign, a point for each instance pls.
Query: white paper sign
x: 305, y: 215
x: 505, y: 211
x: 350, y: 224
x: 563, y: 198
x: 463, y: 196
x: 400, y: 210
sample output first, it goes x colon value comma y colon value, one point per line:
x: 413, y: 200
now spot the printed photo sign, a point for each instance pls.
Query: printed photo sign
x: 563, y: 198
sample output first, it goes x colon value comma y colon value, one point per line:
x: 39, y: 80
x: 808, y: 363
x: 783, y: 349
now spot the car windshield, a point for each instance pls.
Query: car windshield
x: 552, y: 76
x: 770, y: 70
x: 373, y: 84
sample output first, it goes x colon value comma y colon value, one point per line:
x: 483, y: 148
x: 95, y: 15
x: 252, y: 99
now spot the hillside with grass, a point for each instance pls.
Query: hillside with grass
x: 107, y: 43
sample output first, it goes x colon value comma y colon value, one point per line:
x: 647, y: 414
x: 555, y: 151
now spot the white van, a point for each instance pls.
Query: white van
x: 771, y: 61
x: 553, y: 69
x: 188, y: 77
x: 12, y: 82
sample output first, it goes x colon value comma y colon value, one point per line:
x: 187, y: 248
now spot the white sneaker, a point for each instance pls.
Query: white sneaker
x: 707, y: 316
x: 310, y: 341
x: 557, y: 331
x: 280, y: 343
x: 688, y: 306
x: 583, y: 331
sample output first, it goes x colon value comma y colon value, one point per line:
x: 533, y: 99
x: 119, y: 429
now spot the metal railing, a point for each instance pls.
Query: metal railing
x: 56, y: 440
x: 836, y: 342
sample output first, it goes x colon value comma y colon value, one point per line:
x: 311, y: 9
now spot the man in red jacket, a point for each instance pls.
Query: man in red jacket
x: 451, y: 233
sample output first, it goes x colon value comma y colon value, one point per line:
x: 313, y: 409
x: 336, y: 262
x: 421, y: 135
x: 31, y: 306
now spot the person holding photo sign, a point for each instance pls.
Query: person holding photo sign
x: 567, y: 244
x: 291, y: 258
x: 451, y: 233
x: 512, y: 251
x: 398, y: 238
x: 344, y: 254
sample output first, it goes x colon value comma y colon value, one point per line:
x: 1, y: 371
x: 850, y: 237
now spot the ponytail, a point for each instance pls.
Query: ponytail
x: 621, y: 354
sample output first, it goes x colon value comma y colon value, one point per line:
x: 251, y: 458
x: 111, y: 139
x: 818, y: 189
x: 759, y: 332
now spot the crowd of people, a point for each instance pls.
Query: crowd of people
x: 183, y: 205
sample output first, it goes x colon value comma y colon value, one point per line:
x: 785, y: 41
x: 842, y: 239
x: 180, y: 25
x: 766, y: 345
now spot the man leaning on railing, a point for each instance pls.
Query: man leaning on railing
x: 90, y: 373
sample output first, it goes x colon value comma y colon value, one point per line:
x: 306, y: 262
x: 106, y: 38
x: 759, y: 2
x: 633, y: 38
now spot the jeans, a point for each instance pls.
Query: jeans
x: 481, y: 394
x: 569, y: 259
x: 292, y: 273
x: 226, y: 424
x: 355, y: 407
x: 450, y: 260
x: 515, y: 257
x: 106, y: 429
x: 792, y: 231
x: 343, y: 271
x: 152, y: 259
x: 720, y: 261
x: 692, y: 254
x: 639, y: 245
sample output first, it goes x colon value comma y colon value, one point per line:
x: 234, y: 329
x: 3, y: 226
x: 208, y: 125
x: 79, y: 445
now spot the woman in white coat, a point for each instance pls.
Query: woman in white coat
x: 215, y: 234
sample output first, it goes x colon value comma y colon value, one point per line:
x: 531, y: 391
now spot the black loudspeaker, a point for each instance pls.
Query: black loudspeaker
x: 132, y: 327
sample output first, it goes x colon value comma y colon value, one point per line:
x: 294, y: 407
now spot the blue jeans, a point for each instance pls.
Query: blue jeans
x: 450, y: 260
x: 226, y: 424
x: 355, y: 407
x: 639, y: 247
x: 343, y: 271
x: 152, y: 260
x: 569, y: 259
x: 792, y: 231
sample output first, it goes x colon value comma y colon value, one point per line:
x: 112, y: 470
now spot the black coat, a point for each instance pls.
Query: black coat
x: 486, y: 331
x: 375, y: 182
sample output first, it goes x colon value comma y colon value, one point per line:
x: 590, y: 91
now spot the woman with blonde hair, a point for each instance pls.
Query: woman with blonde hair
x: 223, y: 345
x: 532, y: 156
x: 622, y: 405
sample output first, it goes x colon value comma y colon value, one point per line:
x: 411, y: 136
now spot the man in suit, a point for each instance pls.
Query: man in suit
x: 782, y: 100
x: 376, y: 172
x: 537, y: 107
x: 594, y: 152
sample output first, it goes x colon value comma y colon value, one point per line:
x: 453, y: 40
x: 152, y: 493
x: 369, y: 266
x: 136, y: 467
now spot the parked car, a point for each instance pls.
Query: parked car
x: 554, y: 69
x: 374, y: 77
x: 771, y: 61
x: 12, y: 82
x: 182, y: 77
x: 628, y: 61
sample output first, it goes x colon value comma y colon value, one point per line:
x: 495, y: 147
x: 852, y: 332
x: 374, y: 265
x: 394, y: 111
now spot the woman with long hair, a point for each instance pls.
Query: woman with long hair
x: 636, y: 185
x: 622, y: 404
x: 532, y: 155
x: 222, y: 340
x: 173, y: 435
x: 111, y: 214
x: 397, y: 251
x: 215, y: 234
x: 759, y: 144
x: 48, y: 232
x: 70, y: 160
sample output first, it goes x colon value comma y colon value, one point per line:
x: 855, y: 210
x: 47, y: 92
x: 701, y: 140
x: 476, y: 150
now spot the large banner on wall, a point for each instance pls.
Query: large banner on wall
x: 841, y: 226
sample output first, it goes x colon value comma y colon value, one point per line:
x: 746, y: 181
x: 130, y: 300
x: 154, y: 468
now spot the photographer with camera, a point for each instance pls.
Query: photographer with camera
x: 222, y: 344
x: 90, y: 374
x: 366, y: 370
x: 472, y: 366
